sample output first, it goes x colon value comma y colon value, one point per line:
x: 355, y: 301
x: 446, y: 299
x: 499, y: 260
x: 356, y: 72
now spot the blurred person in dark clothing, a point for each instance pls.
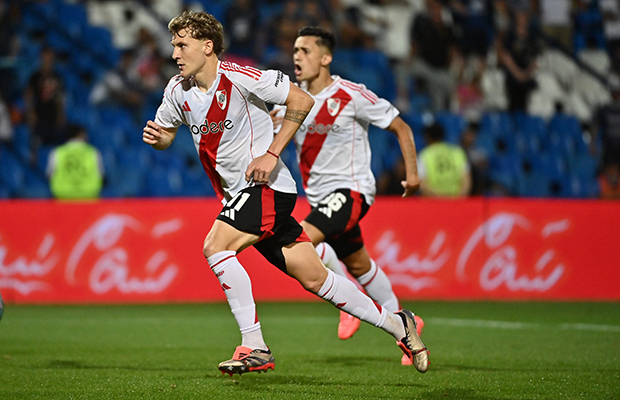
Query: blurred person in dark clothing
x: 241, y: 22
x: 121, y: 86
x: 517, y: 53
x: 434, y: 50
x: 45, y: 103
x: 606, y: 123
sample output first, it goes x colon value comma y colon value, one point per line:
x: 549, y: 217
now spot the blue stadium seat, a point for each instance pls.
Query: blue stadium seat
x: 550, y: 164
x: 183, y: 144
x: 196, y: 183
x: 36, y: 186
x: 12, y: 175
x: 125, y: 182
x: 498, y: 124
x: 99, y: 41
x: 505, y: 169
x: 140, y: 157
x: 453, y: 124
x: 73, y: 19
x: 164, y: 181
x: 531, y: 133
x: 42, y: 156
x: 583, y: 166
x: 580, y: 187
x: 21, y: 141
x: 38, y: 15
x: 535, y: 184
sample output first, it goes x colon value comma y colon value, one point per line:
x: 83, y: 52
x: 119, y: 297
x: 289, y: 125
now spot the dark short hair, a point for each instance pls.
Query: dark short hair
x: 435, y: 132
x: 325, y: 37
x: 75, y: 130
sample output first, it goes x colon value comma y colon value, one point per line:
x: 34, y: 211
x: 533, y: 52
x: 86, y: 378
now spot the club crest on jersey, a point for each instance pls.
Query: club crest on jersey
x: 333, y: 106
x: 220, y: 97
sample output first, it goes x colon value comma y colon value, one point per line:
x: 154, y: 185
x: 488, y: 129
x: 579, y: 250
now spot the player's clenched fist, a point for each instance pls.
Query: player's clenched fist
x: 151, y: 134
x: 158, y: 137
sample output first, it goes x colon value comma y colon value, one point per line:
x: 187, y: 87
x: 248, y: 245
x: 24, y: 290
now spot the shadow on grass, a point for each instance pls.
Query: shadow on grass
x: 73, y: 364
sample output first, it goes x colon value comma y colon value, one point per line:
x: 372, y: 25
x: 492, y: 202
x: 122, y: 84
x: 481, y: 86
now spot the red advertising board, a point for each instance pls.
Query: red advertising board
x: 150, y: 250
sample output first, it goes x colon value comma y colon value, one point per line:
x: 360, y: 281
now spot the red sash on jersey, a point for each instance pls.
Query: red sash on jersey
x: 210, y: 142
x: 313, y: 142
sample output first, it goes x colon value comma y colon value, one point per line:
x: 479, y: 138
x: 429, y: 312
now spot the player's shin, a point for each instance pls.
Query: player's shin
x: 343, y: 294
x: 237, y: 286
x: 329, y: 258
x: 378, y: 286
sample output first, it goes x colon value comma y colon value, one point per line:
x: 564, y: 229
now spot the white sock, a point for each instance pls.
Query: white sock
x: 344, y: 295
x: 329, y: 258
x: 379, y: 288
x: 238, y: 289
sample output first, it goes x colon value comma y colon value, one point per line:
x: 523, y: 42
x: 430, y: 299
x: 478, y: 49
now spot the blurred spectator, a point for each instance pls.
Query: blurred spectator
x: 501, y: 18
x: 9, y: 46
x: 473, y: 18
x: 606, y: 129
x: 75, y: 169
x: 45, y: 103
x: 346, y: 21
x: 125, y: 19
x: 241, y: 22
x: 609, y: 182
x: 477, y: 158
x: 556, y: 21
x: 279, y: 57
x: 611, y: 26
x: 388, y: 23
x: 443, y: 167
x: 121, y: 86
x: 313, y: 14
x: 519, y: 5
x: 434, y: 53
x: 149, y: 61
x: 517, y: 54
x: 6, y: 124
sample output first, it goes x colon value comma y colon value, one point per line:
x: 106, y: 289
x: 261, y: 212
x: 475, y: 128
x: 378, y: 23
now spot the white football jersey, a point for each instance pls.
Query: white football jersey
x: 333, y: 150
x: 230, y: 123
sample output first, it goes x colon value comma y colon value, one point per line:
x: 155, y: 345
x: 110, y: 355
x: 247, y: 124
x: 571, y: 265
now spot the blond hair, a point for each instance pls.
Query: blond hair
x: 201, y: 26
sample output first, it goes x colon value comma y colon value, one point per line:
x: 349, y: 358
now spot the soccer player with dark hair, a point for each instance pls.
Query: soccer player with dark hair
x: 334, y: 160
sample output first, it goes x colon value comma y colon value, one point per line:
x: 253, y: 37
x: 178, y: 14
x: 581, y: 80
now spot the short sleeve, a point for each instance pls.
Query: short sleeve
x: 374, y: 109
x: 169, y: 114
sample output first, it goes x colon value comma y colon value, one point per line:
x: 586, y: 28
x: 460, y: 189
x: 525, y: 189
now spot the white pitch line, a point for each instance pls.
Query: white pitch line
x: 480, y: 323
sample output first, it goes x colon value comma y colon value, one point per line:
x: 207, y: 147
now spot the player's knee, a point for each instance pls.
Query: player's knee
x: 358, y: 263
x: 312, y: 285
x: 209, y: 248
x: 312, y: 279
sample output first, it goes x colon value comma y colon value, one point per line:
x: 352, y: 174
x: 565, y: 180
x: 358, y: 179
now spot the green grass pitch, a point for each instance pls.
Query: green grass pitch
x: 479, y: 350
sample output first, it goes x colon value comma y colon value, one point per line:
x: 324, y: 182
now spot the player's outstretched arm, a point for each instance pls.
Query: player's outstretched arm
x: 407, y: 146
x: 158, y: 137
